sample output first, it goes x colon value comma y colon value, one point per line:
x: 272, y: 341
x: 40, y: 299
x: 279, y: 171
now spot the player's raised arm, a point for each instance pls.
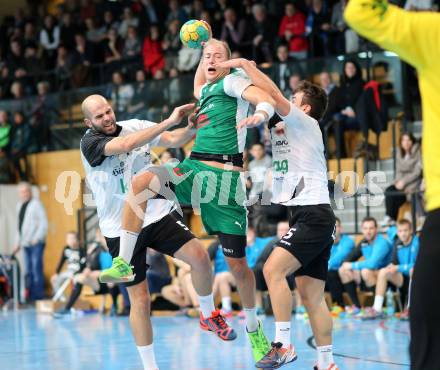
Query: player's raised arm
x: 260, y: 81
x: 180, y: 136
x: 412, y: 35
x: 124, y: 144
x: 199, y: 79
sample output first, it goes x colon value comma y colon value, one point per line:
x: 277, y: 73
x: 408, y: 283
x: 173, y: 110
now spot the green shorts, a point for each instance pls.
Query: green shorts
x: 218, y: 194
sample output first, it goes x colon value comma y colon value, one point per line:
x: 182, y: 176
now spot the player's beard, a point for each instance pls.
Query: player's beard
x: 105, y: 130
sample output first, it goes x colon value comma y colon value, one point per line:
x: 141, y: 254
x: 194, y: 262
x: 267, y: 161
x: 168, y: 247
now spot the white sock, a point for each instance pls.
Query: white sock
x: 227, y: 303
x: 325, y: 356
x: 251, y: 319
x: 147, y: 356
x: 378, y: 303
x: 206, y: 305
x: 282, y: 333
x: 127, y: 243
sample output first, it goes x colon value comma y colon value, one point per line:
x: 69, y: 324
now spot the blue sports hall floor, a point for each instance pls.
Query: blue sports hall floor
x: 91, y: 342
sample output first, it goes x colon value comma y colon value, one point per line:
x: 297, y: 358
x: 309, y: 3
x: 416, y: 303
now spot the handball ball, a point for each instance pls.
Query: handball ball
x: 194, y: 33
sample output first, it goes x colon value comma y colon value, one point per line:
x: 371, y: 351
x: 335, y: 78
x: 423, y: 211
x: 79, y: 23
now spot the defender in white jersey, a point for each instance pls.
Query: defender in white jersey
x: 299, y: 182
x: 112, y: 153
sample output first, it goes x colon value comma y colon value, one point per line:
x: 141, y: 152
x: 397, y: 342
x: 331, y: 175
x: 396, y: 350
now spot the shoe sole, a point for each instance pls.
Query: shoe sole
x: 125, y: 279
x: 278, y: 366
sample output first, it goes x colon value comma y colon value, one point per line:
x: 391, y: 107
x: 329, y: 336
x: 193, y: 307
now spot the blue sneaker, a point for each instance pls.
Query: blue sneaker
x: 277, y: 357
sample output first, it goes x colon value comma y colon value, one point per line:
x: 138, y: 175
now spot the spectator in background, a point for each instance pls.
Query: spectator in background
x: 377, y: 253
x: 171, y: 44
x: 93, y: 33
x: 63, y: 67
x: 343, y: 39
x: 408, y: 177
x: 152, y: 52
x: 50, y: 40
x: 43, y: 114
x: 197, y: 8
x: 5, y: 132
x: 31, y: 236
x: 157, y: 103
x: 112, y: 52
x: 30, y: 37
x: 83, y: 57
x: 317, y: 27
x: 214, y: 23
x: 234, y: 32
x: 138, y: 106
x: 174, y: 95
x: 263, y: 32
x: 292, y: 31
x: 87, y: 10
x: 419, y: 5
x: 68, y: 30
x: 350, y: 90
x: 325, y: 81
x: 74, y: 256
x: 20, y: 144
x: 32, y: 63
x: 398, y: 272
x: 109, y: 21
x: 132, y: 45
x: 158, y: 274
x: 128, y: 19
x: 342, y: 247
x: 258, y: 168
x: 281, y: 71
x: 121, y: 93
x: 294, y: 81
x: 15, y: 59
x: 176, y: 12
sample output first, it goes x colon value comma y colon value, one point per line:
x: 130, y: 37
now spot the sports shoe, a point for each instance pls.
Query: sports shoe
x: 336, y: 311
x: 217, y: 324
x: 120, y: 272
x: 331, y: 367
x: 277, y: 357
x: 259, y: 343
x: 371, y: 314
x: 61, y: 313
x: 352, y: 310
x: 404, y: 316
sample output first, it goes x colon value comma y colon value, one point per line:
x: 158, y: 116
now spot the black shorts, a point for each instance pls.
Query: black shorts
x: 166, y: 236
x: 310, y: 238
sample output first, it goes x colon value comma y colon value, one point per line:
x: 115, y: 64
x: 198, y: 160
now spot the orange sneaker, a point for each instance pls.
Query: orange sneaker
x: 217, y: 324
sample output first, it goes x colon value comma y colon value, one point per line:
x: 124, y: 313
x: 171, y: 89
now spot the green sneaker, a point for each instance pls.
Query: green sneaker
x: 259, y: 343
x: 120, y: 272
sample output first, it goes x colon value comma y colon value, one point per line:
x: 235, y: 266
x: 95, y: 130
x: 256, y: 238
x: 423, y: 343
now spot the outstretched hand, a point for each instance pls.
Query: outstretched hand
x: 179, y: 112
x: 192, y: 118
x: 251, y: 121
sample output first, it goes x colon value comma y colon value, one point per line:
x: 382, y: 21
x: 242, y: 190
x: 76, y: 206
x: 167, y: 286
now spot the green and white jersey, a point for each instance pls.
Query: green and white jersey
x: 221, y: 108
x: 299, y: 172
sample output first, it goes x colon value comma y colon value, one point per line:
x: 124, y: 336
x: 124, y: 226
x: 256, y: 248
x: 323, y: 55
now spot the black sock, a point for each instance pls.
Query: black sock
x: 74, y: 295
x: 336, y: 288
x: 114, y: 292
x: 350, y: 288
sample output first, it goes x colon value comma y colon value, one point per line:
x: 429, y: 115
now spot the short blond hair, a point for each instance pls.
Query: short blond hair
x: 212, y: 41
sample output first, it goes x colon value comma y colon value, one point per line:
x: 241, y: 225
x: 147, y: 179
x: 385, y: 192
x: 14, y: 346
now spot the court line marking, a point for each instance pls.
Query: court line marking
x: 312, y: 345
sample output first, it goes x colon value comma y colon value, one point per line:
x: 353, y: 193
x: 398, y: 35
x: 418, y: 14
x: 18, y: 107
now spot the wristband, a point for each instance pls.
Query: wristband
x: 262, y: 117
x: 266, y: 108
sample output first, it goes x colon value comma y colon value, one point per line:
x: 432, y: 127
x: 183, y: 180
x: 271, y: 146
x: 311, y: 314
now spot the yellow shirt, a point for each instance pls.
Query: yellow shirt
x: 415, y: 37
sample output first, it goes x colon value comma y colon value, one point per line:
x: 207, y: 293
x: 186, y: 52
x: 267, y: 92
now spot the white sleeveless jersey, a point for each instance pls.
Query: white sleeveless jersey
x: 299, y: 174
x: 109, y: 177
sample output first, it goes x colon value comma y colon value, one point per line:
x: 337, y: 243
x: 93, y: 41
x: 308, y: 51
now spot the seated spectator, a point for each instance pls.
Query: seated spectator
x: 264, y: 35
x: 158, y: 274
x: 317, y: 27
x: 292, y: 31
x: 74, y: 256
x: 68, y: 30
x: 282, y: 229
x: 82, y: 58
x: 171, y: 44
x: 347, y: 96
x: 181, y: 291
x: 343, y: 39
x: 5, y: 132
x: 44, y: 113
x: 197, y: 8
x: 283, y: 70
x: 63, y: 67
x: 30, y: 37
x: 224, y: 281
x: 139, y: 103
x: 152, y: 52
x: 128, y: 19
x: 258, y: 168
x: 32, y: 63
x: 121, y: 93
x: 325, y: 81
x: 50, y: 40
x: 176, y: 12
x: 377, y: 252
x: 188, y: 59
x: 294, y: 81
x: 157, y: 106
x: 398, y: 272
x: 97, y: 258
x: 234, y: 32
x: 342, y: 247
x: 15, y: 59
x: 174, y: 93
x: 93, y: 33
x: 408, y: 177
x: 109, y: 21
x: 132, y: 45
x: 19, y: 145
